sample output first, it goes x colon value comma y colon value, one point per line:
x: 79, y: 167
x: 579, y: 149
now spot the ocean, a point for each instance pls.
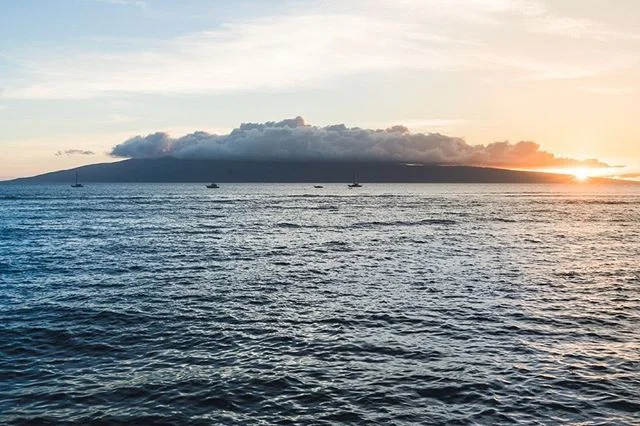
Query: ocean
x: 288, y: 304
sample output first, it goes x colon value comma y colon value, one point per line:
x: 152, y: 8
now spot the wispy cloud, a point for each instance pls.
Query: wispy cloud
x: 137, y: 3
x: 610, y: 90
x: 539, y: 19
x: 629, y: 176
x: 420, y: 124
x: 70, y: 152
x: 265, y: 54
x: 433, y: 122
x: 118, y: 119
x: 312, y: 48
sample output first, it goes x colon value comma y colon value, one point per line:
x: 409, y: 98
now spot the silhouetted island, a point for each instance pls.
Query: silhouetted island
x: 182, y: 170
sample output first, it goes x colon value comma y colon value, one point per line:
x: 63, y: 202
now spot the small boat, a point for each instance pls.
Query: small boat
x: 318, y: 186
x: 77, y: 185
x: 213, y: 185
x: 354, y: 184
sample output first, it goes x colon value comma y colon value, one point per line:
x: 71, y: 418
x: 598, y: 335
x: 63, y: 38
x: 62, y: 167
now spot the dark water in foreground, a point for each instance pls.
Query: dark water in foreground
x: 275, y: 304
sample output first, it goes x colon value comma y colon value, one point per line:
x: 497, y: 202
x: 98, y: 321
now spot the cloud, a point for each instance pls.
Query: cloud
x: 137, y: 3
x: 423, y: 123
x: 610, y: 91
x: 540, y: 19
x: 295, y: 140
x: 70, y: 152
x: 630, y: 176
x: 264, y: 54
x: 308, y: 47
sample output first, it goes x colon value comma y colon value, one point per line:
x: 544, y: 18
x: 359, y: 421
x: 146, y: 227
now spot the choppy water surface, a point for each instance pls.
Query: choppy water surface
x: 287, y: 304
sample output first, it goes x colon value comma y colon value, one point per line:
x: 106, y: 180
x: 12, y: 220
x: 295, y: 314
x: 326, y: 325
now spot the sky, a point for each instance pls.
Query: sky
x: 559, y: 80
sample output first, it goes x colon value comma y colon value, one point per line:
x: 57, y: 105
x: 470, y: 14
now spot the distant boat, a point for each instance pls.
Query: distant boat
x: 77, y: 185
x: 213, y: 185
x: 318, y: 186
x: 355, y: 184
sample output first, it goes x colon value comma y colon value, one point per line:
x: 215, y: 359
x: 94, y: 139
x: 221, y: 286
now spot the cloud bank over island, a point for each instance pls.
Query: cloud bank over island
x: 295, y: 140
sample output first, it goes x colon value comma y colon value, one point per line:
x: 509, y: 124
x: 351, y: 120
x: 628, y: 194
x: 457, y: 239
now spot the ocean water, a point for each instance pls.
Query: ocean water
x: 274, y: 304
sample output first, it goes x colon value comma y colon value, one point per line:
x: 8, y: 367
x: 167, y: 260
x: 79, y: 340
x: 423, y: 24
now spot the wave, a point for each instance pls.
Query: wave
x: 377, y: 223
x: 290, y: 225
x: 503, y: 219
x: 602, y: 202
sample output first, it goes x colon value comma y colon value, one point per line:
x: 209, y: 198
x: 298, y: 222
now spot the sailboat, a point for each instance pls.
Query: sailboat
x: 77, y: 185
x: 355, y: 184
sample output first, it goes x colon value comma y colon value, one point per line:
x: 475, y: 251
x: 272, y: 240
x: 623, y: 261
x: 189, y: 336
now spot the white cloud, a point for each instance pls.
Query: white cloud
x: 419, y: 124
x: 295, y: 140
x: 610, y: 90
x: 137, y: 3
x: 118, y: 119
x: 538, y: 18
x: 259, y: 55
x: 312, y: 49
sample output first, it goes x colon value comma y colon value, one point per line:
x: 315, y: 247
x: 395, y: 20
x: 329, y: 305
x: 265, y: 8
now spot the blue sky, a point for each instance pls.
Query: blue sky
x: 89, y: 74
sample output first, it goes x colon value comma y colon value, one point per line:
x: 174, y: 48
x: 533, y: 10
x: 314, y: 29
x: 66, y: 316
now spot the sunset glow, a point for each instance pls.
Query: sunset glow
x: 562, y: 75
x: 585, y: 174
x: 581, y: 175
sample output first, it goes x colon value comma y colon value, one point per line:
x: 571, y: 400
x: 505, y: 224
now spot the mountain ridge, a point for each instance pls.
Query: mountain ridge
x: 169, y: 170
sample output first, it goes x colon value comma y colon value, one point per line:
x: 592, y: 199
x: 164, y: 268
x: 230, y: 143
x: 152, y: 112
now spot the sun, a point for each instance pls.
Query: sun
x: 582, y: 174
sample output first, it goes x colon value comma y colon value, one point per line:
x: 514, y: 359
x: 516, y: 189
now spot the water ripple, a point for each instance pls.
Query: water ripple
x: 273, y: 304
